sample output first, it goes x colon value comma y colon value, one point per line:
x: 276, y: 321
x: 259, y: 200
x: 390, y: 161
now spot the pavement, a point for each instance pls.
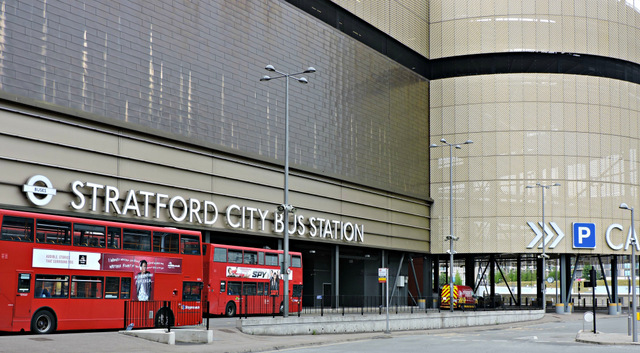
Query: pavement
x: 613, y: 339
x: 230, y: 339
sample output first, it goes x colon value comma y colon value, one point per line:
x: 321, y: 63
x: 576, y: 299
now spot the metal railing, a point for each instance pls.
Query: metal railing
x: 349, y: 304
x: 266, y: 305
x: 159, y: 313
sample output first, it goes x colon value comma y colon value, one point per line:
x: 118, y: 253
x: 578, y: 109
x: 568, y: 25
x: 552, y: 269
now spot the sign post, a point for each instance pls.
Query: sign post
x: 383, y: 274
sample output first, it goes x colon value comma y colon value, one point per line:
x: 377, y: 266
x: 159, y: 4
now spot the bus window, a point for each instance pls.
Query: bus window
x: 249, y: 288
x: 24, y: 283
x: 17, y: 228
x: 250, y: 257
x: 271, y: 260
x: 86, y: 287
x: 261, y: 289
x: 88, y: 235
x: 260, y: 258
x: 136, y: 239
x: 222, y: 286
x: 296, y: 261
x: 53, y: 232
x: 189, y: 244
x: 234, y: 288
x: 125, y: 288
x: 191, y: 291
x: 56, y: 286
x: 166, y: 242
x: 113, y: 237
x: 220, y: 255
x: 235, y: 256
x: 111, y: 289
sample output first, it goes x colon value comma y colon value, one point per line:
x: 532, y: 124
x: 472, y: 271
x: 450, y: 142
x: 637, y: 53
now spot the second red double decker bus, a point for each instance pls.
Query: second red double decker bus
x: 242, y: 280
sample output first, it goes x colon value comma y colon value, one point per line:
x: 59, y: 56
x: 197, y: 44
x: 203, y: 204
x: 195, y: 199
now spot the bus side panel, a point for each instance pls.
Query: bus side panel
x: 15, y: 308
x: 85, y: 314
x: 7, y: 296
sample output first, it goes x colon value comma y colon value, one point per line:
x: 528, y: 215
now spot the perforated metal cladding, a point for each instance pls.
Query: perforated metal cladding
x: 193, y: 69
x: 405, y: 21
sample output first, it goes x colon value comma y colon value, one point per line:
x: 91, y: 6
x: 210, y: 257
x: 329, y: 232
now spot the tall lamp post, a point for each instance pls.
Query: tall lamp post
x: 544, y: 256
x: 624, y: 206
x: 450, y: 237
x: 286, y: 208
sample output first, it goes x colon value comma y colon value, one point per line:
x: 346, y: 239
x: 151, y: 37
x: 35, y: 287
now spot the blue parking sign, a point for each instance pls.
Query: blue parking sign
x: 584, y: 235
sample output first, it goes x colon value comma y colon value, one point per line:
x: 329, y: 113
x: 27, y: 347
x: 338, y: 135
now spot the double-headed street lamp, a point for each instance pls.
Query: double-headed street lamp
x: 285, y: 208
x: 544, y: 256
x: 450, y: 237
x: 624, y: 206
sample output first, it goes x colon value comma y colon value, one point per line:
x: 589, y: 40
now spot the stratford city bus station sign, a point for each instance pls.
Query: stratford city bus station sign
x: 95, y: 197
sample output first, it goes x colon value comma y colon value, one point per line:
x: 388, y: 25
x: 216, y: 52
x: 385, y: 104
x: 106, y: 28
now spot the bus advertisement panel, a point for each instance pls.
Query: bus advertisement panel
x: 66, y: 273
x: 242, y: 280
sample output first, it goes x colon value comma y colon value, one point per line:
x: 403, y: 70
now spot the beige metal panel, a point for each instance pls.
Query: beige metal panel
x: 139, y: 150
x: 249, y: 191
x: 41, y: 152
x: 163, y: 174
x: 328, y: 189
x: 389, y: 222
x: 55, y: 133
x: 272, y: 177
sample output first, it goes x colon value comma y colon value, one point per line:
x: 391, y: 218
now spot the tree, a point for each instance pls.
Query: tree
x: 586, y: 275
x: 458, y: 279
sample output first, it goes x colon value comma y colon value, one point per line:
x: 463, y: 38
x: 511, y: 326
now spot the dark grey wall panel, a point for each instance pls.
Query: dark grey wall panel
x: 191, y: 69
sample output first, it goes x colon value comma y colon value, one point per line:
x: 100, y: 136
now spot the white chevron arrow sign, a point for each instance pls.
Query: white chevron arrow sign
x: 549, y: 236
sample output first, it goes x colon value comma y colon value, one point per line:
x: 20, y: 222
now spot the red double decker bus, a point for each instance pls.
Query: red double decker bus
x: 242, y: 280
x: 65, y: 273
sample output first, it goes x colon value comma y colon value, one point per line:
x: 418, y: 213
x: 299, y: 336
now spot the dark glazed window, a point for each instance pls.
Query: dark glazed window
x: 17, y: 229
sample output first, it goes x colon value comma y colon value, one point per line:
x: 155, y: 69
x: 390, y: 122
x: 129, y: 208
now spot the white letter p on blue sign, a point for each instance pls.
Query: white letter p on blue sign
x: 584, y: 235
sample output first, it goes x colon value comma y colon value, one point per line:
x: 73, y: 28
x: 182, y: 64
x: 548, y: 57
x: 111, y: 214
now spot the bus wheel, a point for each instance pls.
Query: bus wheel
x: 230, y: 310
x: 43, y: 322
x: 164, y: 318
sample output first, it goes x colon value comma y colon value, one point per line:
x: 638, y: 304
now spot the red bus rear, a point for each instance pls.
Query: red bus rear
x: 242, y: 280
x: 66, y: 273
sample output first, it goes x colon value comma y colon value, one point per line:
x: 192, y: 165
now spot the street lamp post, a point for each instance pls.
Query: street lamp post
x: 544, y: 256
x: 286, y: 208
x: 624, y: 206
x: 450, y: 237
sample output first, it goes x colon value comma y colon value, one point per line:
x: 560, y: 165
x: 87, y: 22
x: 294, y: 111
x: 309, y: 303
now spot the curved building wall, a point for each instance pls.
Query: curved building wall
x: 599, y: 27
x: 577, y: 130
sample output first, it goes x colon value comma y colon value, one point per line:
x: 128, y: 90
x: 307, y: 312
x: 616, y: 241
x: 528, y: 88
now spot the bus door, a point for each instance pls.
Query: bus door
x: 24, y: 295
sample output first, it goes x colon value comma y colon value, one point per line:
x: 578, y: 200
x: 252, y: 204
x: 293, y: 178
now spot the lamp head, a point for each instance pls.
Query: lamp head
x: 556, y: 184
x: 303, y: 80
x: 433, y: 145
x: 458, y: 147
x: 270, y: 68
x: 443, y: 140
x: 468, y: 142
x: 265, y: 78
x: 624, y: 206
x: 309, y: 70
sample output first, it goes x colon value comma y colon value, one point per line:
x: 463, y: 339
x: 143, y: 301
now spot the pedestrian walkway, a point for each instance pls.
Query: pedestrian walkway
x: 230, y: 339
x: 605, y: 338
